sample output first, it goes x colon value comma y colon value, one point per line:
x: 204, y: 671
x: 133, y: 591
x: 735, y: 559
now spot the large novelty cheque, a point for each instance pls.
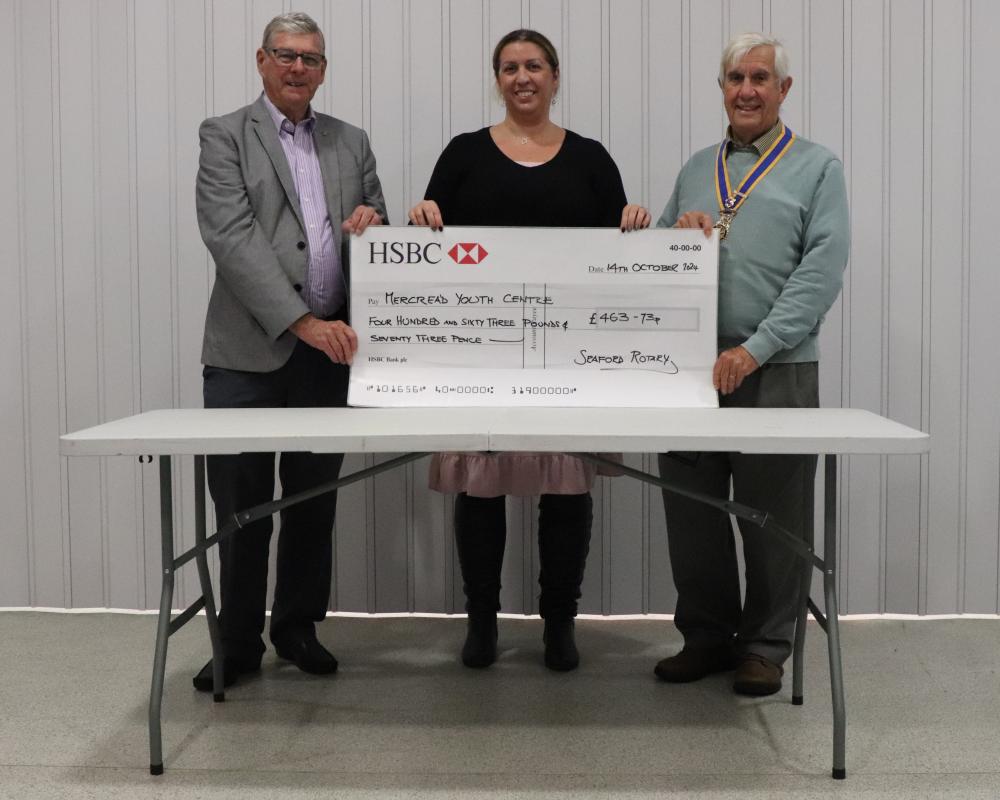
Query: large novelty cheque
x: 533, y: 317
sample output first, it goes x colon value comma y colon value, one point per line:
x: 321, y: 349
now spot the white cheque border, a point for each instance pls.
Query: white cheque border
x: 577, y: 317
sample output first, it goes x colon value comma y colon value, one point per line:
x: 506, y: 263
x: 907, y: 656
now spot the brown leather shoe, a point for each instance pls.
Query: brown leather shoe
x: 692, y: 664
x: 756, y: 676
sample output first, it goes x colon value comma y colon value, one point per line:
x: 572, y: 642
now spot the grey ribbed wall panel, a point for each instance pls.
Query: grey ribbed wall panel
x: 107, y: 280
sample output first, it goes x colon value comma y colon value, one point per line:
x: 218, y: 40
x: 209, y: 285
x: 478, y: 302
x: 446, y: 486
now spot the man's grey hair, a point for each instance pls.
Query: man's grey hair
x: 295, y: 22
x: 742, y: 44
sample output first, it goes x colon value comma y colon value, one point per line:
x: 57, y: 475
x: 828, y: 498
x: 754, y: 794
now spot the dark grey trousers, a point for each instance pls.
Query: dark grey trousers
x: 237, y: 482
x: 701, y: 539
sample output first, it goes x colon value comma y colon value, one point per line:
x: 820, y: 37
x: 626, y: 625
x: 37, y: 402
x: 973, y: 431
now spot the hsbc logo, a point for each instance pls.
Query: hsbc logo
x: 429, y: 253
x: 468, y: 253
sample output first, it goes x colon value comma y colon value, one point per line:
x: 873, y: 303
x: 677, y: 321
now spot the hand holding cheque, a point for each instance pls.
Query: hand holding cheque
x: 427, y: 214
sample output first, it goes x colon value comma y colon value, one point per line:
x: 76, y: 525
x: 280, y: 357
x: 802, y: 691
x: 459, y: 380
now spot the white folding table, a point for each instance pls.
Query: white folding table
x: 416, y: 431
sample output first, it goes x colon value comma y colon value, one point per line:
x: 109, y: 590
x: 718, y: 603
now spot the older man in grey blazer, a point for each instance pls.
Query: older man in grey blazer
x: 279, y: 189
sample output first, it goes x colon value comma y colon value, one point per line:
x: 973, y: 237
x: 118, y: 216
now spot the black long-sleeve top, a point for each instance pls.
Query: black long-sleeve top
x: 474, y: 183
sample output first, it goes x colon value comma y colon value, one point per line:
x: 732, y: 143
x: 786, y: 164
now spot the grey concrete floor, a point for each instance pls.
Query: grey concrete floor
x: 404, y: 719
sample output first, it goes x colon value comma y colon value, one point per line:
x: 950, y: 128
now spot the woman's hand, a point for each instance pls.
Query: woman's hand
x: 635, y: 217
x: 427, y: 214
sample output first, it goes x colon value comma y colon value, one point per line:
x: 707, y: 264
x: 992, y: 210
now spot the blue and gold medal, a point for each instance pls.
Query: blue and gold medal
x: 729, y: 200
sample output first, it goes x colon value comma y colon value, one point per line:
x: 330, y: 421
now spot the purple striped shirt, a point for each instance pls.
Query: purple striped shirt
x: 324, y: 290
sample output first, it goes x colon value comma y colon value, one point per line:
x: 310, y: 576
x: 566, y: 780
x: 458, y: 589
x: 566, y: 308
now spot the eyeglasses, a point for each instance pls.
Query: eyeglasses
x: 287, y: 57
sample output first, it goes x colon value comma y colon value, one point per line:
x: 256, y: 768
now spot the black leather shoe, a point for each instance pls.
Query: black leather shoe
x: 480, y: 648
x: 232, y: 668
x: 560, y: 645
x: 308, y: 655
x: 692, y: 664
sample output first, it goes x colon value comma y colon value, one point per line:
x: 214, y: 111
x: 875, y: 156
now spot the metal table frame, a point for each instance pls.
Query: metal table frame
x: 486, y: 429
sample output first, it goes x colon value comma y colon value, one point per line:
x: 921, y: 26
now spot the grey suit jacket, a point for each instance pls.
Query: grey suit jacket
x: 251, y: 222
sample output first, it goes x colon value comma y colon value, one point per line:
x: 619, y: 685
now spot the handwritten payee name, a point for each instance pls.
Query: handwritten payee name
x: 462, y: 299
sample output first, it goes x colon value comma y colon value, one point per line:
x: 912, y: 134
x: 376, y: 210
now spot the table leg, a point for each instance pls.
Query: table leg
x: 167, y: 626
x: 205, y: 579
x: 799, y: 646
x: 163, y: 623
x: 832, y: 631
x: 828, y: 566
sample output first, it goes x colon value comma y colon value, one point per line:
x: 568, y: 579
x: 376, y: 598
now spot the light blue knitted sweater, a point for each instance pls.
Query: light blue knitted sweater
x: 781, y: 266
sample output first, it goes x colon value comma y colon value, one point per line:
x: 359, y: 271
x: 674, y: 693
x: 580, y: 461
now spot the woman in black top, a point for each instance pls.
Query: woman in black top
x: 476, y: 181
x: 525, y: 171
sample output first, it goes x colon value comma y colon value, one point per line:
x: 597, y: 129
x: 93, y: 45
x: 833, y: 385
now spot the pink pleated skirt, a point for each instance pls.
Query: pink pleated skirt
x: 519, y: 474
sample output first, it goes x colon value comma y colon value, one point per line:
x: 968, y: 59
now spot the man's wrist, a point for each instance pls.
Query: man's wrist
x: 298, y: 326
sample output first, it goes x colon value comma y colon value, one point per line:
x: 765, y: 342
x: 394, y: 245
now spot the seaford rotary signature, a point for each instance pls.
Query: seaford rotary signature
x: 533, y: 316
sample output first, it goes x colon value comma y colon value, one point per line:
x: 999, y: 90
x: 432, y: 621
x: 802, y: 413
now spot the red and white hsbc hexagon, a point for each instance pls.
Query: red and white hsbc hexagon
x: 468, y: 253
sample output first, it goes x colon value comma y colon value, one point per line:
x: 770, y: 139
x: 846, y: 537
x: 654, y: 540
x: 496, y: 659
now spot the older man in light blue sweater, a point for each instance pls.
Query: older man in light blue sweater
x: 780, y: 205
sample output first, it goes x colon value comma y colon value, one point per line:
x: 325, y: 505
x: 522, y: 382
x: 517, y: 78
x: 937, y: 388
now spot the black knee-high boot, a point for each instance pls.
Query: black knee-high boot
x: 480, y: 536
x: 564, y: 523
